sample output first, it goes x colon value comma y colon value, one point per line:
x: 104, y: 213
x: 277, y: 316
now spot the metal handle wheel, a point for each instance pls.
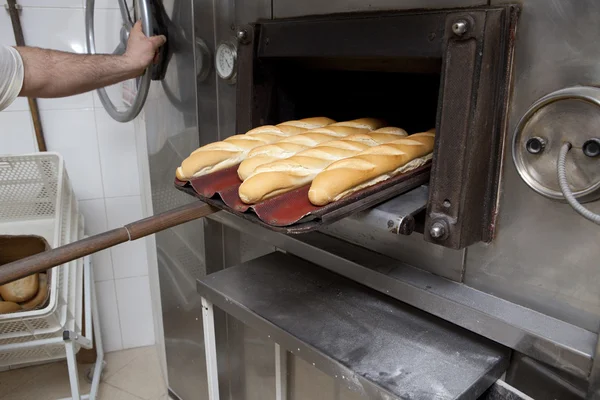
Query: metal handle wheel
x: 143, y: 83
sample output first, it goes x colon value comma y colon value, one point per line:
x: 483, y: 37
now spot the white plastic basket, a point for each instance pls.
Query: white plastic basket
x: 36, y: 199
x: 36, y: 350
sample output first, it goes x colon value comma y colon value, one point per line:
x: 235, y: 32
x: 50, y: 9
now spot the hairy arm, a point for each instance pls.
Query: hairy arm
x: 51, y: 73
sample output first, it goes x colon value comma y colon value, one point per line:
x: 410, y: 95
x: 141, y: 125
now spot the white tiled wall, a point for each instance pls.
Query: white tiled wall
x: 101, y: 158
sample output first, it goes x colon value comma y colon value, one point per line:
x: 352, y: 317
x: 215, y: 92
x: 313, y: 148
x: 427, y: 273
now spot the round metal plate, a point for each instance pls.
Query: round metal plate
x: 568, y: 115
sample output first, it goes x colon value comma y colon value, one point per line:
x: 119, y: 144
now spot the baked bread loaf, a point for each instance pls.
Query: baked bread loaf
x: 371, y: 166
x: 231, y: 151
x: 281, y: 176
x: 294, y: 144
x: 21, y: 290
x: 8, y: 307
x: 41, y: 295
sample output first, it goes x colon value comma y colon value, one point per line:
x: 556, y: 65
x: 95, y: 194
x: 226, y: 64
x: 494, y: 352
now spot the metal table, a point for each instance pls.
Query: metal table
x: 378, y: 346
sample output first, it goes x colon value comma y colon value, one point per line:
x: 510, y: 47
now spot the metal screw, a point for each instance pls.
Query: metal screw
x: 438, y: 230
x: 535, y: 145
x: 591, y: 148
x: 242, y: 36
x: 460, y: 27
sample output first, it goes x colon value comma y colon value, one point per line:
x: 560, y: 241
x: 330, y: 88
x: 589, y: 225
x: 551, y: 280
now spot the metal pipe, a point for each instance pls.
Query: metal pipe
x: 13, y: 10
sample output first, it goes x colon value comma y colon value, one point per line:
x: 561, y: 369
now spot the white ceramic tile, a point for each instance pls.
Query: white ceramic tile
x: 129, y: 259
x: 118, y: 156
x: 135, y: 311
x: 16, y: 133
x: 20, y: 104
x: 109, y: 316
x: 94, y: 212
x: 58, y: 29
x: 72, y: 133
x: 106, y: 4
x: 51, y: 3
x: 107, y: 24
x: 7, y: 38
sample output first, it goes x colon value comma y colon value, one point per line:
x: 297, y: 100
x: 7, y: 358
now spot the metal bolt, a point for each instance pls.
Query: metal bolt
x: 591, y: 148
x: 535, y: 145
x: 438, y: 230
x: 460, y: 27
x: 242, y: 36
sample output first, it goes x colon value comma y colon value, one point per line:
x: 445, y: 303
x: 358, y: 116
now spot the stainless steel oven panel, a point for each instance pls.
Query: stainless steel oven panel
x: 294, y: 8
x: 545, y: 256
x: 412, y: 250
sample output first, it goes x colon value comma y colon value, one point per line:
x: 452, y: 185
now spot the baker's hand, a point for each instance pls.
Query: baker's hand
x: 142, y: 50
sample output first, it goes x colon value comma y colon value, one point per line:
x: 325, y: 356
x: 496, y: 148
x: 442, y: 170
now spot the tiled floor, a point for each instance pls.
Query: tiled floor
x: 129, y: 375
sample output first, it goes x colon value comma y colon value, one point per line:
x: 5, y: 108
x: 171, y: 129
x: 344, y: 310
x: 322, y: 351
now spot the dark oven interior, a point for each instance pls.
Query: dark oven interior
x: 409, y: 69
x: 340, y: 91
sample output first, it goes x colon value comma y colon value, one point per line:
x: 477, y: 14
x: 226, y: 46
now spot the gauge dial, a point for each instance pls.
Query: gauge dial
x: 226, y: 61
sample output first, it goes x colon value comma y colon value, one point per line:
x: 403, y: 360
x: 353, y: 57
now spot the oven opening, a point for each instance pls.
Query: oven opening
x: 346, y: 90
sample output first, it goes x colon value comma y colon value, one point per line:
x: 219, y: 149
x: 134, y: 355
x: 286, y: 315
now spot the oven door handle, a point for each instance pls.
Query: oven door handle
x: 142, y: 83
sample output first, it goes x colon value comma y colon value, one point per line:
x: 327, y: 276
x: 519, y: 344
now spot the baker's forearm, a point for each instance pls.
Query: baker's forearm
x: 51, y: 73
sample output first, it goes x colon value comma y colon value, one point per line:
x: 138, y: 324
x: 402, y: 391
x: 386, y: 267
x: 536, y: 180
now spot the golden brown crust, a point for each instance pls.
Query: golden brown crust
x: 231, y: 151
x: 370, y: 166
x: 292, y: 145
x: 9, y: 307
x: 20, y: 290
x: 281, y: 176
x: 41, y: 295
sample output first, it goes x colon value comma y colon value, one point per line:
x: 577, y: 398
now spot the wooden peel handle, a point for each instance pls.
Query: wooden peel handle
x: 72, y: 251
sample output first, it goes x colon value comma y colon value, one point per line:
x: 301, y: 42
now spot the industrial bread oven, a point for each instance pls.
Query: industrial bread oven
x: 481, y: 281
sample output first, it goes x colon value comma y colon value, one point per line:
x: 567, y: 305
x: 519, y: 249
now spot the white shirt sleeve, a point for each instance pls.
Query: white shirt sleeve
x: 11, y: 75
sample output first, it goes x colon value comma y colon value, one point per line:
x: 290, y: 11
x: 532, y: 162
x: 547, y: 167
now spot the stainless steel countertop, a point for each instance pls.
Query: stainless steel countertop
x: 374, y: 344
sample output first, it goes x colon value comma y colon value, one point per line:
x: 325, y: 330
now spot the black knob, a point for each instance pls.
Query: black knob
x: 591, y: 147
x: 535, y: 145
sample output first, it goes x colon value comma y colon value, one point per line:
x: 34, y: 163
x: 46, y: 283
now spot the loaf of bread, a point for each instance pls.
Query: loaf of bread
x: 294, y: 144
x: 371, y: 166
x: 281, y: 176
x: 41, y: 295
x: 21, y: 290
x: 231, y: 151
x: 8, y: 307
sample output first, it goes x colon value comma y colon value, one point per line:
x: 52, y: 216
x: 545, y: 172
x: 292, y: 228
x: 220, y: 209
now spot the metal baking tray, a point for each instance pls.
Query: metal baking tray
x: 292, y: 212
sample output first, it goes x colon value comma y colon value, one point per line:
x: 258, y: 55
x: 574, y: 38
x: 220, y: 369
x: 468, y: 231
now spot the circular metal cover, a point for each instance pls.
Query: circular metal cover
x: 568, y: 115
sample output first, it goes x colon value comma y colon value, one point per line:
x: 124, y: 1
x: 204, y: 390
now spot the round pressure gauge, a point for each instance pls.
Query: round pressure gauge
x: 226, y: 61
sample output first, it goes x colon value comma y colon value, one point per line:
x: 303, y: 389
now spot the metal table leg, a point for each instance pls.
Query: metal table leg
x: 210, y: 346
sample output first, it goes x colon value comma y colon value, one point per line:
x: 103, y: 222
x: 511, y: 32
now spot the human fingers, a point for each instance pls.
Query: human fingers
x: 158, y: 41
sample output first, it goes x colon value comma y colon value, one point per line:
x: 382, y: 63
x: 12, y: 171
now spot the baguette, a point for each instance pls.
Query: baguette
x: 231, y: 151
x: 292, y: 145
x: 372, y: 166
x: 282, y: 176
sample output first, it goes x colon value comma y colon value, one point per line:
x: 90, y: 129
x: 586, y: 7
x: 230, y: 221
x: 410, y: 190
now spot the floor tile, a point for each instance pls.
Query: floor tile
x: 141, y: 377
x: 51, y: 384
x: 108, y: 392
x: 115, y: 361
x: 12, y: 379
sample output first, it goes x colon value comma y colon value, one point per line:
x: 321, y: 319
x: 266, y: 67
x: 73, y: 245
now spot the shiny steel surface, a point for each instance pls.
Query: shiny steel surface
x: 294, y: 8
x: 544, y: 338
x: 568, y: 115
x: 533, y: 261
x: 143, y: 84
x: 172, y: 133
x: 373, y: 344
x: 396, y: 215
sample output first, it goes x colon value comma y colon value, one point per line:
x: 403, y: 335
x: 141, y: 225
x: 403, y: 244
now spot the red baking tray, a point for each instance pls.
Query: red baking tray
x: 292, y: 212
